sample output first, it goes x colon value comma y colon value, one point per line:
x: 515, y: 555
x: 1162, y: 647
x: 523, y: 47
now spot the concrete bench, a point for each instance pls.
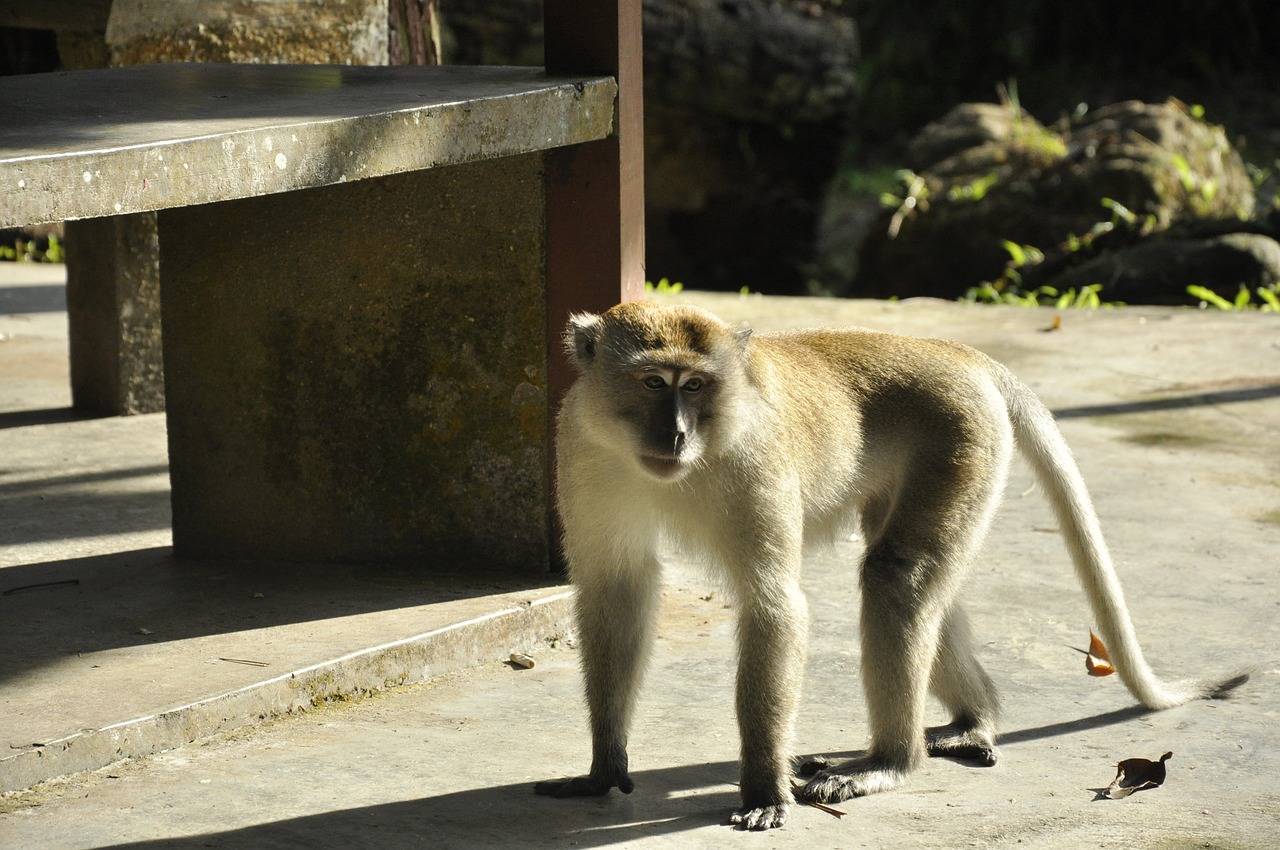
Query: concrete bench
x: 364, y: 276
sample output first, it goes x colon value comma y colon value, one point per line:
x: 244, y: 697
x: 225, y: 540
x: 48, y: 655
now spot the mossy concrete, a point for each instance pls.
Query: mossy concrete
x: 352, y: 32
x: 333, y: 398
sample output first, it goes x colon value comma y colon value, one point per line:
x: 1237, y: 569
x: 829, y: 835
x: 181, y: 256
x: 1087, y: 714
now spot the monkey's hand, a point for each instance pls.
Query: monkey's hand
x: 585, y: 786
x: 761, y: 817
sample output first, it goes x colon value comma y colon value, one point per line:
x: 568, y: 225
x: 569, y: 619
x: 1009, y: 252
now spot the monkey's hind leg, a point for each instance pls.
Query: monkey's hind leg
x: 900, y: 626
x: 965, y: 689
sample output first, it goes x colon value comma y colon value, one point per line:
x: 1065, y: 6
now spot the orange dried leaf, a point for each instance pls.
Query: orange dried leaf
x: 1136, y: 775
x: 1096, y: 660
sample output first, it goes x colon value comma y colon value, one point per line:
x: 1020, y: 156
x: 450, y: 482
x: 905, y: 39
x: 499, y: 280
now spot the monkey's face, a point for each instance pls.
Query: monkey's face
x: 653, y: 381
x: 664, y: 404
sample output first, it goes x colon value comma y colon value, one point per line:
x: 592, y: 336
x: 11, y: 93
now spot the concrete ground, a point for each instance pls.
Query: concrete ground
x: 108, y: 647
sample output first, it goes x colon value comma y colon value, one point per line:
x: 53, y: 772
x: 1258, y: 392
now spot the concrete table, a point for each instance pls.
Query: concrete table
x: 355, y: 267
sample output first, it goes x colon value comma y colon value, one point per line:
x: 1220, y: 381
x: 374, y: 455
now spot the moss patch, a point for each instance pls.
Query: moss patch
x: 1166, y: 438
x: 1271, y: 517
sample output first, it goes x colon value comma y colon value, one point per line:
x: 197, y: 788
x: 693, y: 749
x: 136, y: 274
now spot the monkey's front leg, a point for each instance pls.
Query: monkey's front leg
x: 772, y: 632
x: 615, y: 609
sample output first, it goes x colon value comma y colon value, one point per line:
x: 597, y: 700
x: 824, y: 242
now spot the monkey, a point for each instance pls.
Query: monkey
x: 745, y: 449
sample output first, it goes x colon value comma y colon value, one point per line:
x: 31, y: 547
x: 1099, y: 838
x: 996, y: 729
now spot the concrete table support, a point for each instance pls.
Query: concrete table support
x: 334, y: 395
x: 113, y: 311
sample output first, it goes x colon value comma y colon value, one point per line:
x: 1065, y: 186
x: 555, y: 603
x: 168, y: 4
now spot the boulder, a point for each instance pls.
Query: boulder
x: 1158, y: 269
x: 987, y: 174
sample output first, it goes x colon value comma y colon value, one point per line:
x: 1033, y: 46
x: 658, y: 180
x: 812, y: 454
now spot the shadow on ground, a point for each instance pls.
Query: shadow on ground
x: 63, y: 608
x: 668, y: 802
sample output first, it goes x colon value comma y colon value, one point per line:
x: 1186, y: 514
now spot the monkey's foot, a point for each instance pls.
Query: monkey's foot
x: 761, y: 817
x: 961, y: 741
x: 854, y: 778
x: 814, y: 765
x: 584, y: 786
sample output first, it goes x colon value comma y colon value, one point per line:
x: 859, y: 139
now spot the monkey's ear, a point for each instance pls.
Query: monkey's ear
x: 580, y: 338
x: 743, y: 336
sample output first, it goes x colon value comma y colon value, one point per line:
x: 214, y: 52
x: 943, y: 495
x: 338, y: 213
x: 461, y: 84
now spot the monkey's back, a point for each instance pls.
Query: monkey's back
x: 897, y: 401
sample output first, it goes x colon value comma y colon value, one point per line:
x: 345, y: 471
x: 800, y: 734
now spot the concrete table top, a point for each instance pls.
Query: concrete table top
x: 106, y: 142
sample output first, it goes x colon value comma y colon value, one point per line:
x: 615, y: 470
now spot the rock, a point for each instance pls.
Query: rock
x: 989, y: 174
x: 1159, y: 270
x: 966, y: 126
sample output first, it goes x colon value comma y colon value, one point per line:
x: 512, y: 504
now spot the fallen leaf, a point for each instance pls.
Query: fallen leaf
x: 1096, y: 660
x: 1136, y: 775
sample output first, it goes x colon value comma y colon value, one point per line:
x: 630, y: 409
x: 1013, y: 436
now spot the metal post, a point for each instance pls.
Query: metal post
x: 595, y: 192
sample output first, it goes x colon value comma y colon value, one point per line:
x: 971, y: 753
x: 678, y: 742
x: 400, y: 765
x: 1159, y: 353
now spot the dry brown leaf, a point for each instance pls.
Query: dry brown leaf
x: 1096, y: 660
x: 1136, y: 775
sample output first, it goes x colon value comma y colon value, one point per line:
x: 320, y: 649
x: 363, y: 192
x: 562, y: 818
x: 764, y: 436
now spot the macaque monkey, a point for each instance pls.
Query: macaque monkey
x: 744, y: 449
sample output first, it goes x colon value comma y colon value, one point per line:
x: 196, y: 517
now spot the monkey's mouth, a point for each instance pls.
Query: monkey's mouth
x: 662, y: 465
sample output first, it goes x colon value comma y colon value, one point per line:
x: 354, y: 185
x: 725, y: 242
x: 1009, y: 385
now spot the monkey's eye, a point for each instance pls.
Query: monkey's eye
x: 655, y: 382
x: 692, y: 385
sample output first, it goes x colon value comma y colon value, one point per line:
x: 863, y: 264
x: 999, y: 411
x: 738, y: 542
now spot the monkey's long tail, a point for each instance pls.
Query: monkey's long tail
x: 1047, y: 451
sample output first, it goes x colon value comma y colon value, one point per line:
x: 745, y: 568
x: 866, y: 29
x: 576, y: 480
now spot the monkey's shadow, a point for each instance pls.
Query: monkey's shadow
x: 667, y: 801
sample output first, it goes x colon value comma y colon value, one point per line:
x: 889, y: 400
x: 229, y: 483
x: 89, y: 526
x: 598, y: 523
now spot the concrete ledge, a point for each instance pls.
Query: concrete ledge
x: 435, y: 653
x: 125, y: 140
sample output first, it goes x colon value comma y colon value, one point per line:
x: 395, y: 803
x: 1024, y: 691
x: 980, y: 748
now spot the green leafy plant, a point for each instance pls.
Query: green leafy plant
x: 1086, y: 298
x: 1268, y: 295
x: 663, y: 286
x: 1007, y: 289
x: 987, y: 293
x: 1041, y: 142
x: 916, y: 197
x: 28, y: 251
x: 974, y: 191
x: 1022, y: 255
x: 1200, y: 192
x: 1266, y: 183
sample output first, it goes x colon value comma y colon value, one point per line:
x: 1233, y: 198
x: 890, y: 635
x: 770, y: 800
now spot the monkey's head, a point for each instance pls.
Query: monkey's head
x: 659, y: 383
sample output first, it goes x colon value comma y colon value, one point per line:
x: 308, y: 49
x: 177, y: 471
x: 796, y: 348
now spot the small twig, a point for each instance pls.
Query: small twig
x: 819, y: 806
x: 911, y: 202
x: 70, y: 582
x: 824, y: 807
x: 243, y: 661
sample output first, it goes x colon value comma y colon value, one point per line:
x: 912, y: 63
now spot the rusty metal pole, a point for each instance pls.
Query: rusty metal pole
x: 595, y: 192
